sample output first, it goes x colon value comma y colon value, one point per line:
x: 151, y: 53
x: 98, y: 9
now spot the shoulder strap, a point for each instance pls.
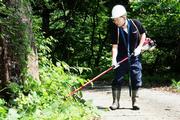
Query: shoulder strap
x: 136, y: 28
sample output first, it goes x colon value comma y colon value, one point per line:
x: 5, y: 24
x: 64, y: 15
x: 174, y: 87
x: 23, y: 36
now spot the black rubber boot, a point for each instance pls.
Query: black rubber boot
x: 116, y: 97
x: 135, y: 96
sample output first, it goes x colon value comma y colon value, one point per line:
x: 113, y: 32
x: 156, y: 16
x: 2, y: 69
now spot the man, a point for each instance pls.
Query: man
x: 127, y: 40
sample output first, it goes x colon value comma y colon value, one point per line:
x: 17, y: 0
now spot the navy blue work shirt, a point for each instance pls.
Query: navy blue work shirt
x: 133, y: 41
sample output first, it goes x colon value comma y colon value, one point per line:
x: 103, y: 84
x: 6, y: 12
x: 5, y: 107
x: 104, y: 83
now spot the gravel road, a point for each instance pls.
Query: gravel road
x: 154, y: 105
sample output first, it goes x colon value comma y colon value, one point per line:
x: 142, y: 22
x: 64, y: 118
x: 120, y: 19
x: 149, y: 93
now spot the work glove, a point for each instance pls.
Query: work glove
x: 137, y: 51
x: 115, y: 64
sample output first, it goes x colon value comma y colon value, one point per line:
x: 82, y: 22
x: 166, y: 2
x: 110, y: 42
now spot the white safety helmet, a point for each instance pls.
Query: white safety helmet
x: 118, y: 10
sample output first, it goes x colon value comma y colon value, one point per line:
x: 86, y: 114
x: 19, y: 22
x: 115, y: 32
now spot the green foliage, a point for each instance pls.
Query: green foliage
x: 14, y: 87
x: 149, y: 61
x: 176, y: 84
x: 47, y: 99
x: 76, y: 70
x: 79, y: 28
x: 158, y: 17
x: 44, y: 51
x: 3, y: 109
x: 15, y: 32
x: 161, y: 19
x: 56, y: 86
x: 12, y: 114
x: 157, y: 80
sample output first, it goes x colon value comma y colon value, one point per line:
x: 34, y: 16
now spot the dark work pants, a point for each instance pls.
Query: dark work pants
x: 135, y: 72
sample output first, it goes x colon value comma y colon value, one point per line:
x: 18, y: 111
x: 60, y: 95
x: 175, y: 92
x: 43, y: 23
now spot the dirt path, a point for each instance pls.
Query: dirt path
x: 155, y: 105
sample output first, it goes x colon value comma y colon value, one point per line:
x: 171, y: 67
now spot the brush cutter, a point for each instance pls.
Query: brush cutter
x: 148, y: 45
x: 97, y: 77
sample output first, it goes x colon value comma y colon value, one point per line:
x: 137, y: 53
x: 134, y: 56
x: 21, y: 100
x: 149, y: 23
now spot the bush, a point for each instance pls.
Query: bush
x: 47, y: 99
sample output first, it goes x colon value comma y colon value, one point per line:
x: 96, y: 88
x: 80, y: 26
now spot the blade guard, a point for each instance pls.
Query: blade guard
x: 149, y: 45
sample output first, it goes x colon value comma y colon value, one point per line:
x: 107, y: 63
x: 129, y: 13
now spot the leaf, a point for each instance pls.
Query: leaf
x: 65, y: 66
x: 12, y: 114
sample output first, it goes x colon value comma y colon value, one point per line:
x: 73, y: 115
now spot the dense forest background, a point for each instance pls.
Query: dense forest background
x: 80, y: 30
x: 48, y: 48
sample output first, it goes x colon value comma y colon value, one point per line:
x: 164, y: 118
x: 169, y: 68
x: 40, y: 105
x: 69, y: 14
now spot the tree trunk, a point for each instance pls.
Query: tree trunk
x: 4, y: 61
x: 45, y: 21
x: 18, y: 55
x: 32, y: 64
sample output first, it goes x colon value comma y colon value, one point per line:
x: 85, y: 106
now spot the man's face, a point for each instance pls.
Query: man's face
x: 120, y: 21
